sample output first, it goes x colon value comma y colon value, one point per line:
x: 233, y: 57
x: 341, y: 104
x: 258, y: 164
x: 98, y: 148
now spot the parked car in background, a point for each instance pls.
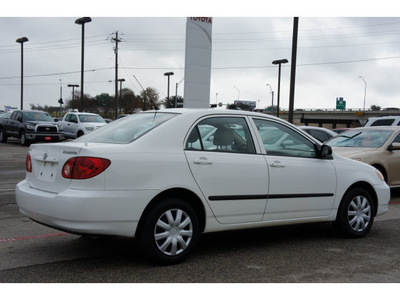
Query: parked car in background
x: 340, y: 130
x: 377, y: 146
x: 320, y: 133
x: 383, y: 121
x: 122, y: 116
x: 153, y: 176
x: 5, y: 115
x: 30, y: 126
x: 76, y: 124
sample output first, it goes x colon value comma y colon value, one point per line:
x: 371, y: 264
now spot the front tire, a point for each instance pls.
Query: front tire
x: 356, y: 214
x: 3, y: 136
x: 23, y: 140
x: 169, y: 231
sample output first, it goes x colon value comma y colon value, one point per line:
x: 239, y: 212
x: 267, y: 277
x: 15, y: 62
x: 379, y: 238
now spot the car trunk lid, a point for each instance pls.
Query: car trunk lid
x: 47, y: 163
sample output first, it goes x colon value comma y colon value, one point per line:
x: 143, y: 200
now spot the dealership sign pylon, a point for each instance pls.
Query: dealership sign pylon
x: 198, y: 62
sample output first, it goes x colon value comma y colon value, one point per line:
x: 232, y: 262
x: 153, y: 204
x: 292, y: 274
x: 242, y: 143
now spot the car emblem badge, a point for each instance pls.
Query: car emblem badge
x: 45, y: 156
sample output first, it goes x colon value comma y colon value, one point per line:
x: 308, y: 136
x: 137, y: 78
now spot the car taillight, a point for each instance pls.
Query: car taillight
x: 84, y: 167
x: 28, y: 163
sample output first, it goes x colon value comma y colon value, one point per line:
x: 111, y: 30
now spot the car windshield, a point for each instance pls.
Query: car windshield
x: 128, y: 129
x: 363, y: 139
x: 91, y: 119
x: 37, y: 116
x: 6, y: 115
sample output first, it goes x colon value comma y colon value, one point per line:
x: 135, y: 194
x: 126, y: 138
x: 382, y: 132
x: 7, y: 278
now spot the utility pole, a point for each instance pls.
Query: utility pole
x: 293, y: 68
x: 116, y: 72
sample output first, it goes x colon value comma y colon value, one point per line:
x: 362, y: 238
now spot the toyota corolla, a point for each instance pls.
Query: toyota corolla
x: 167, y: 176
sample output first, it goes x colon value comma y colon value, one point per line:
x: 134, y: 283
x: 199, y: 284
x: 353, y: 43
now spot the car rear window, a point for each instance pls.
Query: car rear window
x: 128, y: 129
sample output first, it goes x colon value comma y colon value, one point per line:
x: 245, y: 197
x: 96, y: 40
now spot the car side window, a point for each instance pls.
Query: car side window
x: 280, y: 140
x: 221, y: 134
x: 73, y: 119
x: 319, y: 135
x: 68, y: 117
x: 384, y: 122
x: 397, y: 139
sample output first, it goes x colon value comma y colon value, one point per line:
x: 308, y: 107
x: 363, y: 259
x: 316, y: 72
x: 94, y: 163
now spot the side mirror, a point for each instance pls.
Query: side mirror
x: 324, y: 151
x: 394, y: 146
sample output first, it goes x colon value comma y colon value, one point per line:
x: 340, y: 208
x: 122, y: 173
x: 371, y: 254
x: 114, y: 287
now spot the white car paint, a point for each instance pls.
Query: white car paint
x: 232, y: 190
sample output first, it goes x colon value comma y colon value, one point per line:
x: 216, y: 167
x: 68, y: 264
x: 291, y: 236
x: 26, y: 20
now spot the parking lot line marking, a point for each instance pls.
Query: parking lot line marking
x: 32, y: 237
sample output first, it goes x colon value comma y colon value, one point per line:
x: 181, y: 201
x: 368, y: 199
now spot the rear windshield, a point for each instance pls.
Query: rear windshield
x: 128, y: 129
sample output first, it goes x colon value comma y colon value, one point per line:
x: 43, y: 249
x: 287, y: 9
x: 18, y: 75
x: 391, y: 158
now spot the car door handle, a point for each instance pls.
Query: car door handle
x: 276, y: 164
x: 202, y: 161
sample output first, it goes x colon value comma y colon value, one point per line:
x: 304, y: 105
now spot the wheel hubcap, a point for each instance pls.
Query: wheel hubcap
x: 359, y: 213
x: 173, y: 232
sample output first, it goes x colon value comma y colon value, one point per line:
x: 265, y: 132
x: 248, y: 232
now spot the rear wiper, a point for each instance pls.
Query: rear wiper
x: 350, y: 137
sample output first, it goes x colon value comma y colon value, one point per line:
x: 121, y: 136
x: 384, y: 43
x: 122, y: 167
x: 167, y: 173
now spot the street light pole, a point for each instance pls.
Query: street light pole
x: 176, y: 92
x: 61, y: 100
x: 82, y: 21
x: 272, y: 92
x: 73, y: 89
x: 120, y: 90
x: 365, y: 91
x: 22, y: 41
x: 237, y: 91
x: 168, y: 74
x: 279, y: 62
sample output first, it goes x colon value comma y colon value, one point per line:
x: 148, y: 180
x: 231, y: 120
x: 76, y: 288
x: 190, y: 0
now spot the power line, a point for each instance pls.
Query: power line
x: 213, y: 68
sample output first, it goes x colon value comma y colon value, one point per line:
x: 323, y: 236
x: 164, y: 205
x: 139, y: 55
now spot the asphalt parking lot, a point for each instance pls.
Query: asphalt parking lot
x: 32, y: 253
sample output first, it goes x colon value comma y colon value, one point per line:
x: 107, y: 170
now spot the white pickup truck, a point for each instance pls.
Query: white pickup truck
x: 76, y: 124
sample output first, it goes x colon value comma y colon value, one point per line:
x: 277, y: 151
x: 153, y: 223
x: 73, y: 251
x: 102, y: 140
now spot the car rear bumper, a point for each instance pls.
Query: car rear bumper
x: 84, y: 212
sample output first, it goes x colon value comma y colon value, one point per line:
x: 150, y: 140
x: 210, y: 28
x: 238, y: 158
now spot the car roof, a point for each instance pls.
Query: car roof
x: 383, y: 117
x: 390, y: 128
x: 211, y: 111
x: 81, y: 113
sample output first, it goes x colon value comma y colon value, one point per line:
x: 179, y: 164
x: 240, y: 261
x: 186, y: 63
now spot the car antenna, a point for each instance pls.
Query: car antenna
x: 145, y: 95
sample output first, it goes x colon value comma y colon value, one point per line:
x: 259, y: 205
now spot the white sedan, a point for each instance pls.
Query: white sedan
x: 166, y: 176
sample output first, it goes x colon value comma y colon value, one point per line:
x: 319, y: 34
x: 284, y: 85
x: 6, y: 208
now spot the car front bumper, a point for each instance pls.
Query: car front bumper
x: 84, y: 212
x: 44, y: 137
x: 383, y: 195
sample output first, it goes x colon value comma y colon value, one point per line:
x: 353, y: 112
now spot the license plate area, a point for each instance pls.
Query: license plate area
x: 47, y: 171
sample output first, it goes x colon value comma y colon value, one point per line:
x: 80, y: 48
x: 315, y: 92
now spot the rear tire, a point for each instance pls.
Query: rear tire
x: 356, y: 214
x: 169, y: 232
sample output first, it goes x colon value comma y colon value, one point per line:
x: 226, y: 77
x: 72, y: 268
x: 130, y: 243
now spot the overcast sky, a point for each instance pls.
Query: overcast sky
x: 333, y: 52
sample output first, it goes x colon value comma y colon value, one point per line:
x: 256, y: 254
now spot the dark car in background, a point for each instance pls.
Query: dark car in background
x: 30, y: 127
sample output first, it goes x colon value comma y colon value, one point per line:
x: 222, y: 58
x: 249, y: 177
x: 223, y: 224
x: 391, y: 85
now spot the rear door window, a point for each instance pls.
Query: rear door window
x: 221, y: 134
